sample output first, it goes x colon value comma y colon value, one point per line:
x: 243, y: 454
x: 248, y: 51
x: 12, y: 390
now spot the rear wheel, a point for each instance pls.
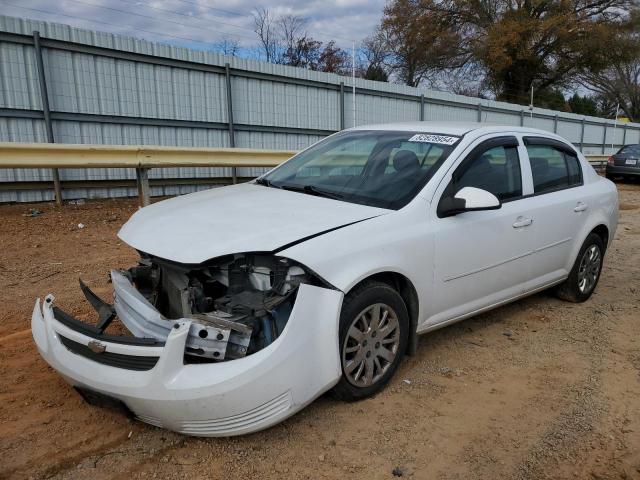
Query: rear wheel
x: 374, y: 327
x: 585, y: 273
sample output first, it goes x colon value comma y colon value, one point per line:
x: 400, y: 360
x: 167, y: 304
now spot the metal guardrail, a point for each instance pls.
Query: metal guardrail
x: 598, y: 161
x: 60, y: 155
x: 143, y: 158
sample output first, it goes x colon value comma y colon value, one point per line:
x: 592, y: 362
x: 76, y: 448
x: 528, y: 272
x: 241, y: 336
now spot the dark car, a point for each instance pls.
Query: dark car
x: 625, y: 163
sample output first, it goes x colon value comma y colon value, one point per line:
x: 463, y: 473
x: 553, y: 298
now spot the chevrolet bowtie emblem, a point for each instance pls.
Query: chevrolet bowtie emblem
x: 96, y: 347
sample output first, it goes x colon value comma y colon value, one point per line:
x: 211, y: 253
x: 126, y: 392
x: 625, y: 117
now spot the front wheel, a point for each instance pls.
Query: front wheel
x: 584, y: 275
x: 374, y: 328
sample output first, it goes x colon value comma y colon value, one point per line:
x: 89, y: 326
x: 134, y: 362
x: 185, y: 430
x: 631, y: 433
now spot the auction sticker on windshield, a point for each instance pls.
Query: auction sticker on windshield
x: 430, y: 138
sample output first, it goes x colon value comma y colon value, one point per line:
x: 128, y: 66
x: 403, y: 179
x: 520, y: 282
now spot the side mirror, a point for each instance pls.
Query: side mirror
x: 468, y: 199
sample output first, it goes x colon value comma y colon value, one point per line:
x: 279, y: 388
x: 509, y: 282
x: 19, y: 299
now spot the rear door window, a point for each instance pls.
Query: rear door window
x: 553, y: 169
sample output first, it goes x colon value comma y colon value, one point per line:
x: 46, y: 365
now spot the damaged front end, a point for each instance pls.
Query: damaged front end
x: 226, y: 347
x: 237, y: 304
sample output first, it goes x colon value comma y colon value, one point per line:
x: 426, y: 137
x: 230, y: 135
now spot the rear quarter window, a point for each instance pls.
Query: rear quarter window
x: 575, y: 172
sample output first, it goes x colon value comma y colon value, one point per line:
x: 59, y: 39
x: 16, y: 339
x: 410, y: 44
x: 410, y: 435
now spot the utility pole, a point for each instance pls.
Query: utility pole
x: 353, y: 81
x: 615, y: 125
x: 531, y: 103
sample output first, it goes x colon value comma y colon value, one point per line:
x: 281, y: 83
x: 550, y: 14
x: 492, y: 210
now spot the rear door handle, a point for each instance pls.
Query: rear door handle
x: 580, y: 207
x: 522, y: 222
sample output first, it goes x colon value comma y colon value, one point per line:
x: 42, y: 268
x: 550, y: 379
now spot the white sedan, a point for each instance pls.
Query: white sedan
x: 250, y: 301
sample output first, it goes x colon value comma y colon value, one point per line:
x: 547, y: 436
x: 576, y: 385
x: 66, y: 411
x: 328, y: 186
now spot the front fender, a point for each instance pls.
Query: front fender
x: 398, y: 243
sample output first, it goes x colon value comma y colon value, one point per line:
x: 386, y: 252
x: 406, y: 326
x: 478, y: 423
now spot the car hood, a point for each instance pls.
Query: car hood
x: 241, y: 218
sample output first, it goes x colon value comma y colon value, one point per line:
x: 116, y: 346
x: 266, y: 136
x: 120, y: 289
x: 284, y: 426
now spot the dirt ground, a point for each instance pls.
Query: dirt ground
x: 537, y: 389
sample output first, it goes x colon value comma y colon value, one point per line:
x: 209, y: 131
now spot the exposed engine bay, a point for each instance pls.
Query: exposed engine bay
x: 238, y: 304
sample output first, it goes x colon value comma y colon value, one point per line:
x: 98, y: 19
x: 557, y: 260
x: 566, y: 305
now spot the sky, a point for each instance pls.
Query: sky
x: 200, y: 23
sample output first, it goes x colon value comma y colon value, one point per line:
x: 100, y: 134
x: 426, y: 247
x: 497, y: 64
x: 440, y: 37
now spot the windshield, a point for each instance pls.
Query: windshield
x: 378, y: 168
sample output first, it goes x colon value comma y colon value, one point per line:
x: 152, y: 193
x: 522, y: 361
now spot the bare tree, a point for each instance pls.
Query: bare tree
x: 228, y: 46
x: 619, y: 84
x: 374, y: 57
x: 266, y: 30
x: 284, y: 40
x: 617, y: 81
x: 292, y: 34
x: 304, y: 53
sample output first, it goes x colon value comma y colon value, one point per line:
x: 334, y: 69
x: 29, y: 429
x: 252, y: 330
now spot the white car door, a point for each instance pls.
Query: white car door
x: 481, y: 256
x: 560, y: 209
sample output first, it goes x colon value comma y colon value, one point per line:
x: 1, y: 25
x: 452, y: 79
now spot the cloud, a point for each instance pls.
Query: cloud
x: 198, y: 23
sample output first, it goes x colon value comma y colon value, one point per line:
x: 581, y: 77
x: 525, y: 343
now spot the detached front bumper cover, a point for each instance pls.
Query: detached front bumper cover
x: 211, y: 399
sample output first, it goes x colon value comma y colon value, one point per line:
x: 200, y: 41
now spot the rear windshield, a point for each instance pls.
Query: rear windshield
x: 630, y: 150
x: 379, y: 168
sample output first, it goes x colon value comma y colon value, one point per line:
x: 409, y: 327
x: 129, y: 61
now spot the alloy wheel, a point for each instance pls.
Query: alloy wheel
x: 589, y: 269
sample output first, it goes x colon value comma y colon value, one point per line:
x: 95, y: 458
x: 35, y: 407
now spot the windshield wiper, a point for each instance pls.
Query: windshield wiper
x: 312, y: 190
x: 265, y: 182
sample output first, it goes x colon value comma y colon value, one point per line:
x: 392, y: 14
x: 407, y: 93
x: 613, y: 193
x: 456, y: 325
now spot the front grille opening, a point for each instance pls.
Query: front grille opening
x: 118, y: 360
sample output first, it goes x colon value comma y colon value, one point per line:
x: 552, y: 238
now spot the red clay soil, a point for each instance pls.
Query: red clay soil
x: 537, y: 389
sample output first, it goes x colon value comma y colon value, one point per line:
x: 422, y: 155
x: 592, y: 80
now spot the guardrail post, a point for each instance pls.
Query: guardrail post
x: 422, y: 107
x: 555, y: 124
x: 582, y: 136
x: 604, y: 139
x: 341, y: 105
x: 522, y: 118
x: 479, y: 112
x: 46, y: 112
x: 232, y: 134
x: 142, y: 182
x: 624, y: 134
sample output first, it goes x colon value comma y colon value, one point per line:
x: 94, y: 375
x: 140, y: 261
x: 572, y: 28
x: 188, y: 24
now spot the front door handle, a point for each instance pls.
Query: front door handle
x: 522, y: 222
x: 580, y: 207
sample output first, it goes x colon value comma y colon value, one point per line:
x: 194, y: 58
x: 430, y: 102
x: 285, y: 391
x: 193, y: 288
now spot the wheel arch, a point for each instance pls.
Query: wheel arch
x: 407, y: 291
x: 603, y: 232
x: 600, y: 225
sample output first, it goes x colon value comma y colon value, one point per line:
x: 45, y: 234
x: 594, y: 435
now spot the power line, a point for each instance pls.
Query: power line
x: 162, y: 34
x: 213, y: 9
x: 155, y: 19
x: 248, y: 14
x: 190, y: 17
x: 318, y: 33
x: 127, y: 12
x: 122, y: 26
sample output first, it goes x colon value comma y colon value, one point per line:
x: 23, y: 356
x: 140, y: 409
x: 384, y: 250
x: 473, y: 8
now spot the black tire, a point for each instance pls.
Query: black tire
x: 355, y: 304
x: 610, y: 177
x: 570, y: 290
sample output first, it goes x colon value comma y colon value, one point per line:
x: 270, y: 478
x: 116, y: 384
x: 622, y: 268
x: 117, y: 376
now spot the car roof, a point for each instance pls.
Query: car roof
x: 452, y: 128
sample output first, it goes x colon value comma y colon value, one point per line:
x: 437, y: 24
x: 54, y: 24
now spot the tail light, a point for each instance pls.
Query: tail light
x: 610, y: 160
